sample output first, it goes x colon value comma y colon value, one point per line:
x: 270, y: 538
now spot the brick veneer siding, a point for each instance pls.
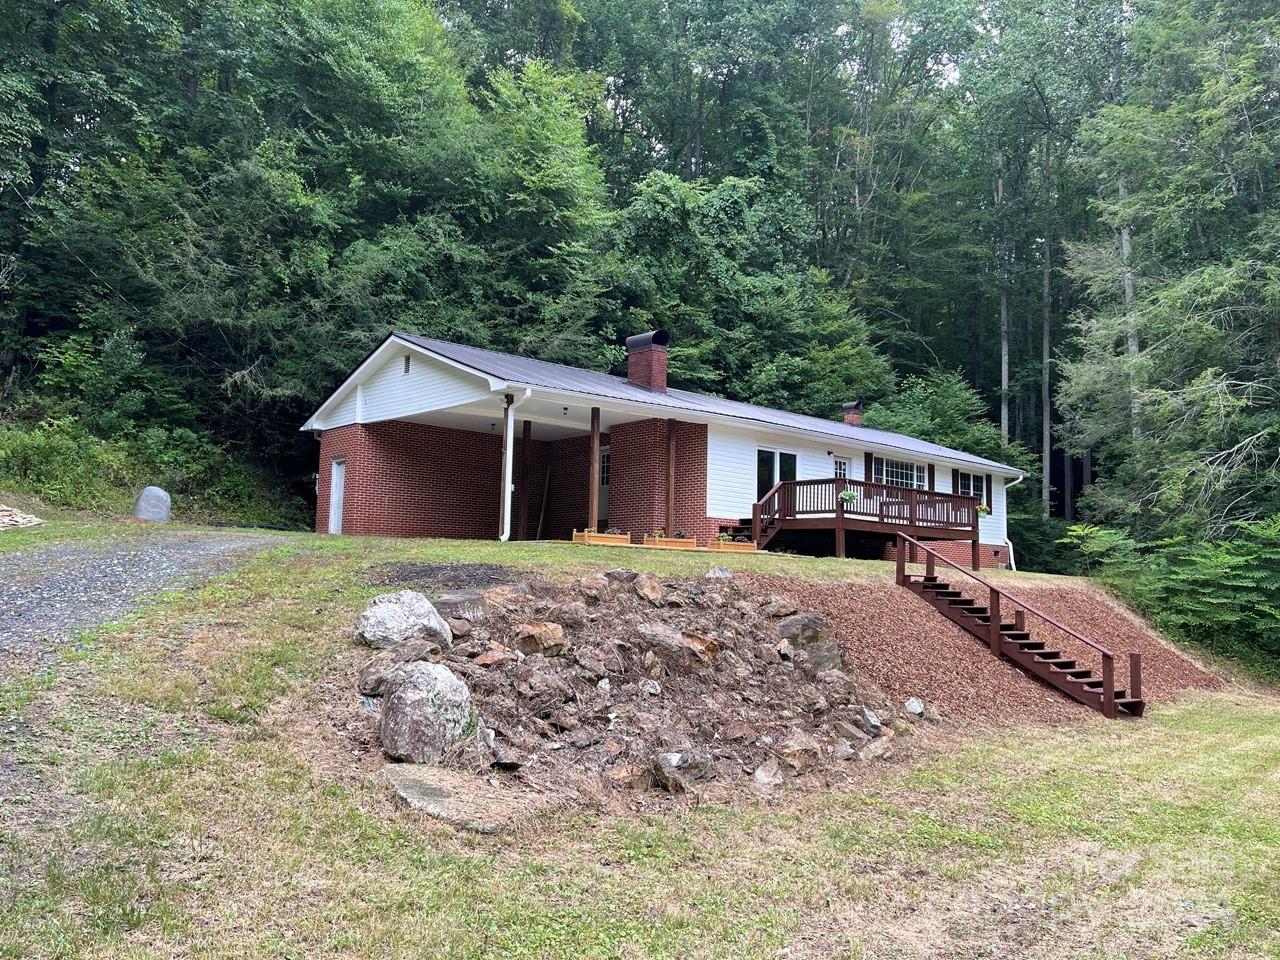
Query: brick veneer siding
x: 415, y: 480
x: 412, y: 480
x: 960, y: 552
x: 638, y: 479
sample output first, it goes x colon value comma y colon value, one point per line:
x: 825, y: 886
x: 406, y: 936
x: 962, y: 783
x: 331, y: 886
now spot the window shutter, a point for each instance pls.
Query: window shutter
x: 988, y: 491
x: 931, y: 476
x: 955, y: 481
x: 868, y: 467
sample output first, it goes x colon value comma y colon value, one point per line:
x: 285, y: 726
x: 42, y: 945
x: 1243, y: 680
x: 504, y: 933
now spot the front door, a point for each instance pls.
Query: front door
x: 773, y: 466
x: 604, y: 487
x: 337, y: 490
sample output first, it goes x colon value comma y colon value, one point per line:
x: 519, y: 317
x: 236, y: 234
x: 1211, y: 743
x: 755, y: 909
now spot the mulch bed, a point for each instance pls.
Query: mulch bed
x: 898, y: 642
x: 432, y: 577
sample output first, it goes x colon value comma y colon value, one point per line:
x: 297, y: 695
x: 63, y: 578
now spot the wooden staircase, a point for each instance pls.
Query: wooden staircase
x: 1014, y: 640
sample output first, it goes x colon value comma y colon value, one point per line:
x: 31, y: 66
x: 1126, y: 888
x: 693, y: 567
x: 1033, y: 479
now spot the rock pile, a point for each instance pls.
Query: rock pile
x: 9, y: 517
x: 631, y: 680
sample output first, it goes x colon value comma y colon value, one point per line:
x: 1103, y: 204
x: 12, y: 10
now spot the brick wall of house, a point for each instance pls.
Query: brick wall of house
x: 415, y: 480
x: 638, y: 479
x: 960, y: 552
x: 412, y: 480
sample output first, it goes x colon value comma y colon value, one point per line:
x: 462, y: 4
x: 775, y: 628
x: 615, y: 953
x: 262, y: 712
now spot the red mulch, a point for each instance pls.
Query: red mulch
x: 898, y: 642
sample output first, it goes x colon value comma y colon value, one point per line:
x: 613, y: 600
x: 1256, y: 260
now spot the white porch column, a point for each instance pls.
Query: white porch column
x: 508, y: 461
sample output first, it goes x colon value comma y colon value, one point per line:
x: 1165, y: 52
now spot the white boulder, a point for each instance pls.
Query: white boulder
x: 393, y: 618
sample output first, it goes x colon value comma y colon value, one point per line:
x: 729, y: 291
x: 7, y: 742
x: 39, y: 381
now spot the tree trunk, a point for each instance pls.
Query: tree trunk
x: 1046, y: 307
x: 1068, y: 487
x: 1004, y: 364
x: 1002, y: 279
x: 1131, y: 325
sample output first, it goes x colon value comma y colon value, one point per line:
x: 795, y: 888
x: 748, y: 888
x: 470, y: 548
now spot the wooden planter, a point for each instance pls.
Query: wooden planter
x: 602, y: 539
x: 671, y: 543
x: 732, y: 546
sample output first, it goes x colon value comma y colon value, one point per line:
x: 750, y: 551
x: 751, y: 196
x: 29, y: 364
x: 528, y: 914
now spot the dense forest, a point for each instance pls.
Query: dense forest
x: 1046, y: 230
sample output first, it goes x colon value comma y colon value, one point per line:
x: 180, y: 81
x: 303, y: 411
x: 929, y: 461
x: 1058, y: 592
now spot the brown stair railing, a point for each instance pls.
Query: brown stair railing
x: 1000, y: 603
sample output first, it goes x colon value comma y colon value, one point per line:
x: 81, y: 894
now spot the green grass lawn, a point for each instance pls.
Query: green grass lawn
x: 193, y: 808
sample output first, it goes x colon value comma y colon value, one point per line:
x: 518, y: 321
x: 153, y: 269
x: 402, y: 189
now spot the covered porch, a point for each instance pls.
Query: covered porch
x: 535, y: 466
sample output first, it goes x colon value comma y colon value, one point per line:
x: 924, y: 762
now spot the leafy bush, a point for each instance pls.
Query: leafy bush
x: 64, y: 464
x: 1224, y: 595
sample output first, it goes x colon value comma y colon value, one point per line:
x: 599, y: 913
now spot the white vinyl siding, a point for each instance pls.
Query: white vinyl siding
x: 731, y: 474
x: 389, y: 392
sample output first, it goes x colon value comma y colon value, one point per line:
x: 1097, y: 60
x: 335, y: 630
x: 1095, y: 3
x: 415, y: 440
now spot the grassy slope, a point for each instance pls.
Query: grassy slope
x: 217, y: 823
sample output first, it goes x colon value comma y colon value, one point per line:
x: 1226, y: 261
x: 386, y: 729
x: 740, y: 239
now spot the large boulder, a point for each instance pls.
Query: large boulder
x: 153, y: 504
x: 379, y: 671
x: 677, y: 772
x: 393, y: 618
x: 812, y: 633
x: 427, y: 711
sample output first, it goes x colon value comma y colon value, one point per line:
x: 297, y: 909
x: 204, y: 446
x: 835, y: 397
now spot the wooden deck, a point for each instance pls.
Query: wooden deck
x: 842, y: 505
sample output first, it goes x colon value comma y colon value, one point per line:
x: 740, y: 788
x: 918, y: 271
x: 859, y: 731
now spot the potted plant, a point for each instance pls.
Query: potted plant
x: 612, y: 537
x: 727, y: 543
x: 678, y: 540
x: 984, y: 510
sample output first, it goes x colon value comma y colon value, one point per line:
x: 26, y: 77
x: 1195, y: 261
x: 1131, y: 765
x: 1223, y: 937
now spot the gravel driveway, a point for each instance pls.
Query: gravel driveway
x: 49, y: 594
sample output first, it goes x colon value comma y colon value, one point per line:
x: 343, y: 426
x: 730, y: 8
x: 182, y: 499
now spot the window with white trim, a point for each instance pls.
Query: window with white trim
x: 604, y: 468
x: 900, y: 473
x: 840, y: 468
x: 970, y: 485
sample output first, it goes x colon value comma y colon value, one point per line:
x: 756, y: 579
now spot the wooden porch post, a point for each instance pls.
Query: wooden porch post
x: 526, y: 445
x: 593, y: 474
x: 671, y: 478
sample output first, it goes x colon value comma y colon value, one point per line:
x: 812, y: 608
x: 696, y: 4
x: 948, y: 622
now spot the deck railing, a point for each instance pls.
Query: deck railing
x: 862, y: 500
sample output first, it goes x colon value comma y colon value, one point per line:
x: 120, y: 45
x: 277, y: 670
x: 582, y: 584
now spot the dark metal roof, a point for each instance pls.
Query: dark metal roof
x: 555, y: 376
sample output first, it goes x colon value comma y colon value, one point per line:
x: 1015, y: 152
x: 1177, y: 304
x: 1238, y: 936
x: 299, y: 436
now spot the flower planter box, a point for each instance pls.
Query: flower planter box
x: 602, y: 539
x: 671, y: 543
x: 732, y: 546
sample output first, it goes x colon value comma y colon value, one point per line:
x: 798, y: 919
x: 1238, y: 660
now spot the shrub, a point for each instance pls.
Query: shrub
x: 65, y: 465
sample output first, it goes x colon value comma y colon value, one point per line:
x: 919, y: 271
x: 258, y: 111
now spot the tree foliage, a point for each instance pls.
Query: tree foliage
x: 208, y: 213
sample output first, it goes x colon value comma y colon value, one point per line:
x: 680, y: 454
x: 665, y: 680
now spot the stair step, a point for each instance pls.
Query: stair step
x: 1014, y: 635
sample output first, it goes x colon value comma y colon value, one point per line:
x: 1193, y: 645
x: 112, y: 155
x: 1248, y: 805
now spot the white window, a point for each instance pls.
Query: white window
x: 604, y: 468
x: 840, y: 468
x: 970, y: 484
x: 900, y: 473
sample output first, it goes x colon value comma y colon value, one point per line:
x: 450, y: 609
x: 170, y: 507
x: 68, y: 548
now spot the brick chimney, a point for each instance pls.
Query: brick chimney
x: 852, y: 413
x: 647, y: 359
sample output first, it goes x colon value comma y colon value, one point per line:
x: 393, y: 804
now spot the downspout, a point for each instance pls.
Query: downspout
x: 1013, y: 564
x: 508, y: 458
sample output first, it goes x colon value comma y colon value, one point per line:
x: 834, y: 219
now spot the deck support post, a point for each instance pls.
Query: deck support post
x: 671, y: 478
x: 526, y: 445
x: 993, y: 628
x: 1135, y: 675
x: 593, y: 474
x: 839, y: 489
x: 901, y: 558
x: 975, y: 554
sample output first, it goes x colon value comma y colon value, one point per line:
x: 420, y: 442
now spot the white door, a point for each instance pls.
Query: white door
x: 337, y: 488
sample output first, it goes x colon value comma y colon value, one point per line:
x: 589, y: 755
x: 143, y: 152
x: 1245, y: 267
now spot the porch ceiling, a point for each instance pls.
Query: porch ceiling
x: 551, y: 421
